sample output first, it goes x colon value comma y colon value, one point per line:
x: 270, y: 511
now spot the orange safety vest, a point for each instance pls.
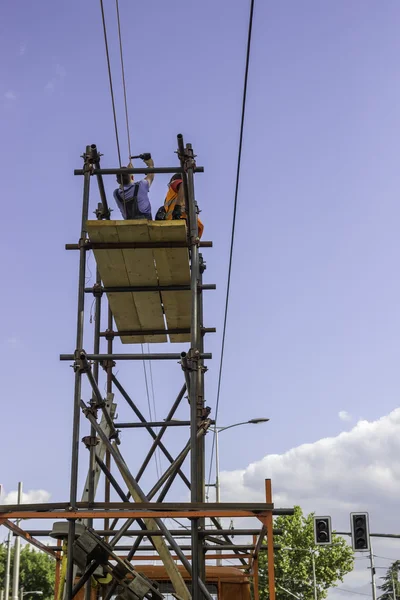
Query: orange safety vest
x: 169, y: 205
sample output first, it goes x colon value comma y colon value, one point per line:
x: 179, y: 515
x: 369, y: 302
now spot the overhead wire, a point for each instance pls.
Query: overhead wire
x: 158, y: 465
x: 123, y: 79
x: 352, y: 592
x: 385, y: 557
x: 121, y: 53
x: 110, y: 82
x: 248, y: 50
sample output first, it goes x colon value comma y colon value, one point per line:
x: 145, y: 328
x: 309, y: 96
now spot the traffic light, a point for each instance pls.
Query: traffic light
x: 322, y: 530
x: 359, y: 531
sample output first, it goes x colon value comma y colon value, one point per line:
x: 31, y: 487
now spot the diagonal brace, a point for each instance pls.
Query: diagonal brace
x: 149, y: 429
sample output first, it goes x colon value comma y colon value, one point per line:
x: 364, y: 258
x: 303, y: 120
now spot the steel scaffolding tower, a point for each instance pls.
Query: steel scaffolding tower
x: 85, y: 548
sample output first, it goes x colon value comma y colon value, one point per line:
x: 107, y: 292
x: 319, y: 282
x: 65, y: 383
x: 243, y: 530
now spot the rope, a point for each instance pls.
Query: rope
x: 233, y: 224
x: 123, y: 79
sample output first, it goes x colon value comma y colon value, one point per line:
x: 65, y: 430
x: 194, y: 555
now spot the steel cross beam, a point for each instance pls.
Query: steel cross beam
x: 17, y: 531
x: 176, y: 532
x: 140, y: 171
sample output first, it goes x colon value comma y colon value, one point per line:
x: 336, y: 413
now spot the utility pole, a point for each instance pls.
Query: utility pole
x: 373, y: 584
x: 8, y: 565
x: 17, y: 552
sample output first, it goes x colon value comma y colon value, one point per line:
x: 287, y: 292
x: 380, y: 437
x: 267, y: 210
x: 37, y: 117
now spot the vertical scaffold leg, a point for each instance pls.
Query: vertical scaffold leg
x: 88, y: 161
x: 196, y: 371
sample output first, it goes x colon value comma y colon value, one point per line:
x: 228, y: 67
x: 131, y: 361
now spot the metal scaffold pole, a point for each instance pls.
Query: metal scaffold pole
x: 17, y: 554
x: 88, y: 158
x: 196, y: 370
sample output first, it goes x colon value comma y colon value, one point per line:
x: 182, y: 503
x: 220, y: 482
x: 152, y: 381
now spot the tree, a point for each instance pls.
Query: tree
x: 390, y: 585
x: 37, y: 570
x: 294, y: 564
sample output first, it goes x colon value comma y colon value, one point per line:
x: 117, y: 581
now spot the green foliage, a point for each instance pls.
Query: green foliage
x: 37, y: 571
x: 293, y: 568
x: 390, y: 581
x: 3, y: 558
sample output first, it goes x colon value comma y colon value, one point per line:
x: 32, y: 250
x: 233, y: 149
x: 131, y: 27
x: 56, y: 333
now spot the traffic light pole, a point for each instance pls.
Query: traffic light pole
x: 314, y: 575
x: 373, y: 582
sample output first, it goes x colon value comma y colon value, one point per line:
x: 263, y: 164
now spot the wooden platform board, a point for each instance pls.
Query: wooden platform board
x: 144, y: 266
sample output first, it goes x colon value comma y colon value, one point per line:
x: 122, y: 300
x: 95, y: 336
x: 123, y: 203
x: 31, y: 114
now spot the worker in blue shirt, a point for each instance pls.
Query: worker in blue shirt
x: 132, y: 197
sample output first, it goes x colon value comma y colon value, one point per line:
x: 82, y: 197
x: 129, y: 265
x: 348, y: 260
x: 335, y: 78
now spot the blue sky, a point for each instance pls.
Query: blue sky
x: 313, y: 325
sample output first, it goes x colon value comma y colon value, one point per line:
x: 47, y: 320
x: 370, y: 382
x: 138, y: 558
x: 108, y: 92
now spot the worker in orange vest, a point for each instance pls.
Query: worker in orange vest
x: 174, y: 203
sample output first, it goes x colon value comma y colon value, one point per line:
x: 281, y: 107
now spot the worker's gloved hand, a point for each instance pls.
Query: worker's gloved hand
x: 146, y: 157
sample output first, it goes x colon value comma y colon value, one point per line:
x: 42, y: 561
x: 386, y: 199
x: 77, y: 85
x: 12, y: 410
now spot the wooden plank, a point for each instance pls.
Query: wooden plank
x: 140, y: 268
x: 126, y: 267
x: 173, y: 269
x: 112, y: 271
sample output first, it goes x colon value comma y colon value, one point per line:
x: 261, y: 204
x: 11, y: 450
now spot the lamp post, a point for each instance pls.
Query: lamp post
x: 217, y: 431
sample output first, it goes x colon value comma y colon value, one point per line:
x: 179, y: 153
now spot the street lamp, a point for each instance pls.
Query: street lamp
x: 217, y: 431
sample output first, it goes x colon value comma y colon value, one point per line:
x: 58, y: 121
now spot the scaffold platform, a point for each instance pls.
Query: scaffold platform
x: 145, y: 267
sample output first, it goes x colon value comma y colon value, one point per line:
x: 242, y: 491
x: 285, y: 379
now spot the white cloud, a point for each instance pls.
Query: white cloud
x: 344, y: 415
x: 30, y: 497
x: 10, y: 95
x: 356, y: 470
x: 333, y: 472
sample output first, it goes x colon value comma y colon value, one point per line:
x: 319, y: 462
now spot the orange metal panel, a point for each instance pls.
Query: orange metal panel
x: 235, y: 591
